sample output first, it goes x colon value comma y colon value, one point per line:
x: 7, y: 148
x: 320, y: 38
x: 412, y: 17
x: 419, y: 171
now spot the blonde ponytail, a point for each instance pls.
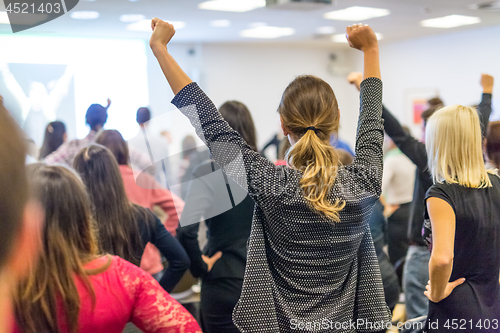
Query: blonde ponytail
x: 310, y: 112
x: 318, y: 161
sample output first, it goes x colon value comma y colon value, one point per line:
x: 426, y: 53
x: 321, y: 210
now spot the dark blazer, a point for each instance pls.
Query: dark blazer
x: 228, y: 232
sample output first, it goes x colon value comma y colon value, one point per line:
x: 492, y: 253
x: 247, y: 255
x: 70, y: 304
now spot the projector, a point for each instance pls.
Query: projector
x: 298, y: 4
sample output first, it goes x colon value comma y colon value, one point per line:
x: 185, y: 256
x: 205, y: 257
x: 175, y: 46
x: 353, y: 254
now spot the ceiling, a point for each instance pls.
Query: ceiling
x: 403, y: 22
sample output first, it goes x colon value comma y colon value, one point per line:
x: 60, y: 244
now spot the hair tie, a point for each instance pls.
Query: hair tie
x: 312, y: 128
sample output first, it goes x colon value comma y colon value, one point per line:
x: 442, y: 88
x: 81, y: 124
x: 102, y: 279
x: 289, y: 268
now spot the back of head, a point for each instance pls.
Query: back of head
x: 454, y: 147
x: 96, y: 116
x: 309, y: 102
x: 13, y: 185
x: 434, y: 104
x: 493, y: 143
x: 239, y: 118
x: 143, y: 116
x: 115, y: 215
x: 54, y: 137
x: 113, y: 140
x: 68, y: 239
x: 188, y: 146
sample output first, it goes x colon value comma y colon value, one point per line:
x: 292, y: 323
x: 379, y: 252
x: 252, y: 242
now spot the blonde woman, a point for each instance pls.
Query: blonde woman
x: 311, y: 262
x: 461, y: 226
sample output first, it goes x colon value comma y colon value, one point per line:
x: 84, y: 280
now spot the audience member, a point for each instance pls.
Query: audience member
x: 228, y: 233
x: 74, y: 287
x: 310, y: 255
x: 96, y: 117
x: 397, y: 192
x: 461, y: 225
x: 493, y: 144
x: 154, y: 146
x: 125, y: 228
x: 415, y: 272
x: 144, y: 191
x: 20, y: 218
x: 55, y: 136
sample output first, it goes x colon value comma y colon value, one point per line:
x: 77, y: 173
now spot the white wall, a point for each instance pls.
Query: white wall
x: 257, y: 75
x: 451, y: 64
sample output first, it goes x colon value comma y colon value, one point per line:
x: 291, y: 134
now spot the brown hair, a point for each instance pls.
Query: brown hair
x: 53, y: 139
x: 117, y: 218
x: 69, y: 241
x: 493, y: 143
x: 113, y: 140
x: 239, y: 118
x: 434, y: 104
x: 309, y: 101
x: 14, y: 192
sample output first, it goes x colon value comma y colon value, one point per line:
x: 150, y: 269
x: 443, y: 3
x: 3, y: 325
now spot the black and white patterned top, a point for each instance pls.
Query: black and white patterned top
x: 304, y: 272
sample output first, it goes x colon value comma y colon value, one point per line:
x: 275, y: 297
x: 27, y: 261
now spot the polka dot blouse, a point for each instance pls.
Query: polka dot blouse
x: 304, y: 272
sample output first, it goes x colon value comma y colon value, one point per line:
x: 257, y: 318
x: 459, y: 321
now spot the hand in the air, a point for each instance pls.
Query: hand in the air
x: 487, y: 83
x: 355, y: 78
x: 162, y: 33
x: 361, y: 37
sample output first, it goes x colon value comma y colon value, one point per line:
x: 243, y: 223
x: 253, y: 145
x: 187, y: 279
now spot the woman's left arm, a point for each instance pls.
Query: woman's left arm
x: 172, y: 250
x: 443, y: 223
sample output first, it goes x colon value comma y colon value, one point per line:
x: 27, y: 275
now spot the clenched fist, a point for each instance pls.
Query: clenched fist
x: 162, y: 33
x: 361, y: 37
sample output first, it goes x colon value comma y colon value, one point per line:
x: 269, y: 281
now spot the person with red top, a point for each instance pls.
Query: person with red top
x: 20, y: 218
x: 74, y: 288
x: 144, y: 191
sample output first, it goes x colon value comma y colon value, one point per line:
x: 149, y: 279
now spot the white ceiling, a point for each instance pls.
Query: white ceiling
x: 402, y: 23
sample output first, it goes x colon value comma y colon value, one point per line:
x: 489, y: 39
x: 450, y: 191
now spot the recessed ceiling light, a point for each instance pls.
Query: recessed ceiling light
x: 128, y: 18
x: 84, y: 15
x: 257, y: 24
x: 232, y: 5
x: 220, y: 23
x: 325, y: 30
x: 341, y: 38
x: 450, y: 21
x: 356, y: 14
x: 4, y: 18
x: 267, y: 32
x: 145, y: 25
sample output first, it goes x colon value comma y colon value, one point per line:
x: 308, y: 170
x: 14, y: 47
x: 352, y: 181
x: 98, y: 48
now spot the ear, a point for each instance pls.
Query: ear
x: 28, y: 240
x: 284, y: 128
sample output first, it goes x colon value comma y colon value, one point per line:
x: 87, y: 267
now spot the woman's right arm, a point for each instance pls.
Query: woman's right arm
x: 246, y: 167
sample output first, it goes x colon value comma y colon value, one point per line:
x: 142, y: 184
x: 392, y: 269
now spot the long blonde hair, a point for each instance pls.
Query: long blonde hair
x: 309, y: 102
x: 454, y: 147
x: 69, y: 241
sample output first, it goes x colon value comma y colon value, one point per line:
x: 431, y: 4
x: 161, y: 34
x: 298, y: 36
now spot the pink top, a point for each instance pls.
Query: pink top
x: 147, y: 192
x: 125, y: 293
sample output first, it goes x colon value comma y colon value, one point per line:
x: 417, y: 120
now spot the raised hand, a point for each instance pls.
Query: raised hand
x: 162, y: 33
x: 487, y: 83
x: 355, y: 78
x: 361, y: 37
